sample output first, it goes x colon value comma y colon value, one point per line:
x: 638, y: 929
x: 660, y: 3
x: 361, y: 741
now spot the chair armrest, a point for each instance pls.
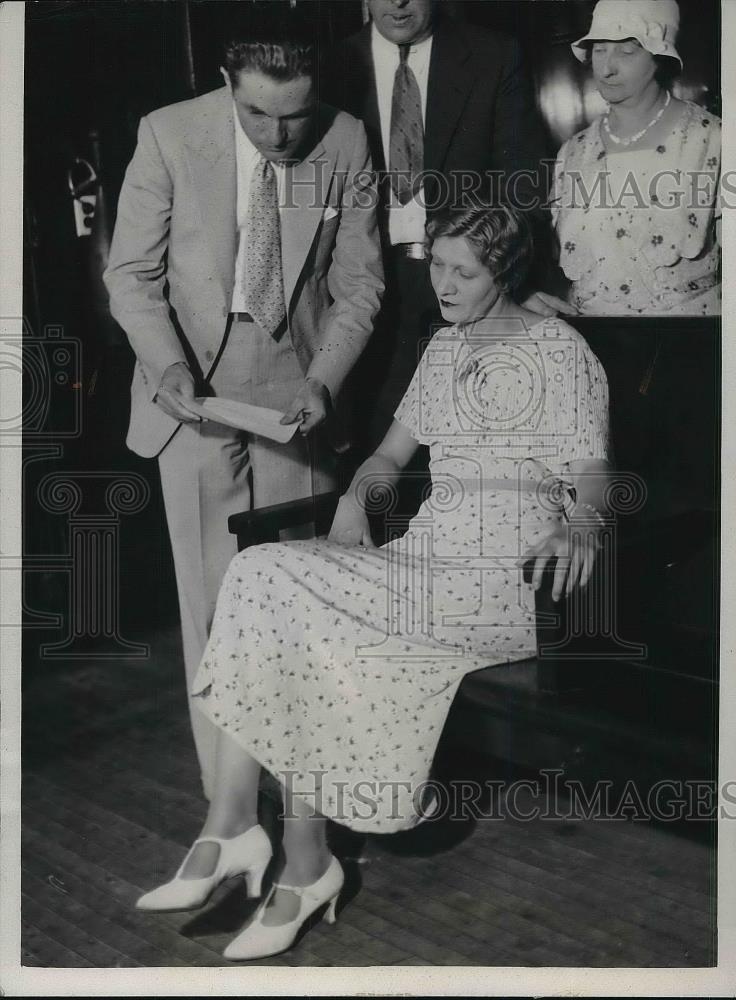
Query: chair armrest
x: 552, y: 619
x: 254, y: 527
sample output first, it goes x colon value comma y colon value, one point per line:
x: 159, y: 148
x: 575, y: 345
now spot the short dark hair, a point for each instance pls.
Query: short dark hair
x: 276, y: 43
x: 500, y: 235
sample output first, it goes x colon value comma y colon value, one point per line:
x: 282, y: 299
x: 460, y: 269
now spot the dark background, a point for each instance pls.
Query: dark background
x: 97, y: 67
x: 100, y: 66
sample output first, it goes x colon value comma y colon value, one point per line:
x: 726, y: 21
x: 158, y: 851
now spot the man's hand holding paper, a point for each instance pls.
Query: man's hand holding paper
x: 309, y: 407
x: 175, y: 395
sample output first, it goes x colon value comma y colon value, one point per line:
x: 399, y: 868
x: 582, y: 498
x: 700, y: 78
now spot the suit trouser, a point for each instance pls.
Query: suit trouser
x: 209, y: 471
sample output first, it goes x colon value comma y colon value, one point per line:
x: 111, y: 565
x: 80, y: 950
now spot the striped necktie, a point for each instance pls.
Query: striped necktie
x: 406, y: 141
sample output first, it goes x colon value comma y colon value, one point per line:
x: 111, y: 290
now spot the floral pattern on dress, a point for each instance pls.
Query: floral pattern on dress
x: 637, y: 228
x: 335, y: 666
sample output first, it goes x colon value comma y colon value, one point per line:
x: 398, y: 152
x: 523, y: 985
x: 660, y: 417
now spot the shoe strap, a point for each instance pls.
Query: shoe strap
x: 301, y: 889
x: 223, y: 841
x: 208, y: 840
x: 257, y: 919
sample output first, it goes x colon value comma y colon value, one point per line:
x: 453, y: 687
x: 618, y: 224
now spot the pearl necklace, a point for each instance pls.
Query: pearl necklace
x: 637, y: 135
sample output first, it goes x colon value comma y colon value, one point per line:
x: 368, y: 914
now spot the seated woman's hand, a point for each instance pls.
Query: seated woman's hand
x: 350, y: 524
x: 545, y: 304
x: 574, y: 545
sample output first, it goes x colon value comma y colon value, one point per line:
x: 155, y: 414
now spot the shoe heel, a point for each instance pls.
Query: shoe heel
x: 331, y: 912
x: 253, y: 880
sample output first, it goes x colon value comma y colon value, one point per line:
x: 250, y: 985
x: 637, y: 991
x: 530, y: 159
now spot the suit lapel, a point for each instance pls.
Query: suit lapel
x: 450, y: 81
x: 366, y: 97
x: 306, y: 189
x: 211, y: 153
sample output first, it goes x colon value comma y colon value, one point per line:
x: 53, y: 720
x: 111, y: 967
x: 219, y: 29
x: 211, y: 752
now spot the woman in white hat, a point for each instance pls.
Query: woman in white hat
x: 635, y: 196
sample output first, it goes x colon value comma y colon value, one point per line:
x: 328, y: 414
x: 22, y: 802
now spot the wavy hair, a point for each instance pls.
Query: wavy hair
x: 277, y: 44
x: 499, y: 234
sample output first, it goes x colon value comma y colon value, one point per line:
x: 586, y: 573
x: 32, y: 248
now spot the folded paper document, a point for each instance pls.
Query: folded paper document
x: 256, y: 419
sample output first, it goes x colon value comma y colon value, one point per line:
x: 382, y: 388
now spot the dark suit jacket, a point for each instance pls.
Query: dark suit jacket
x: 481, y: 113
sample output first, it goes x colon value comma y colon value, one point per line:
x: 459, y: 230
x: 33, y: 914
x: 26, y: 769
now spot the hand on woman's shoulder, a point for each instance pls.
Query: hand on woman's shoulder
x: 531, y: 319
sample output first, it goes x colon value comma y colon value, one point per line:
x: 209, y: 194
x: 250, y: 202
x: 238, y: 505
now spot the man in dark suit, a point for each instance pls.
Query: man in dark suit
x: 450, y: 106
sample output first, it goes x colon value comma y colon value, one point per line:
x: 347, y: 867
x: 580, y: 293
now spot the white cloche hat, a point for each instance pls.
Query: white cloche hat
x: 653, y: 23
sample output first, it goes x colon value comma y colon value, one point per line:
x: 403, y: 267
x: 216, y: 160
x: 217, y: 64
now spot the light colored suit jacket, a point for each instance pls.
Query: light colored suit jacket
x: 171, y: 266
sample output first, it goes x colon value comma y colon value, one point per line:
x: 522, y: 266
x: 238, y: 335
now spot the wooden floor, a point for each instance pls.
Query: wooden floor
x: 110, y: 795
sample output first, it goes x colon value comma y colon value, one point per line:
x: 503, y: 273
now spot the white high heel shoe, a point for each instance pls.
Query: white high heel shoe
x: 258, y: 940
x: 248, y: 854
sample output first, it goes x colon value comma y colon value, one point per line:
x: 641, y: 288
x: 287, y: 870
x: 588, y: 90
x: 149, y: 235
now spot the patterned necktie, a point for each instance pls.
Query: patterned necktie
x: 263, y: 284
x: 406, y: 142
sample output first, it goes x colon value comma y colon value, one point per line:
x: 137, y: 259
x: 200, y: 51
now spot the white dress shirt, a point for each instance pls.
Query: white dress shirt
x: 246, y: 157
x: 406, y: 222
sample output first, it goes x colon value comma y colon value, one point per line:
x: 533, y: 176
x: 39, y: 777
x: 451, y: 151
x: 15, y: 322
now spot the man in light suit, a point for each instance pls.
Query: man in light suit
x: 245, y: 264
x: 447, y: 102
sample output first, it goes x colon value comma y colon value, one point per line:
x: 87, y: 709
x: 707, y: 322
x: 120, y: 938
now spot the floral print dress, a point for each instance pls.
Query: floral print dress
x: 638, y: 228
x: 335, y: 666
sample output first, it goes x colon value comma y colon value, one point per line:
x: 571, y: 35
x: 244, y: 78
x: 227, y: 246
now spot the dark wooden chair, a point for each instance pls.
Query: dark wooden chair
x: 580, y: 704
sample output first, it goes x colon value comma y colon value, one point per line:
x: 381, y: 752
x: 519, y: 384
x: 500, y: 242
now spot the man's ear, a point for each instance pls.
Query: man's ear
x: 225, y: 77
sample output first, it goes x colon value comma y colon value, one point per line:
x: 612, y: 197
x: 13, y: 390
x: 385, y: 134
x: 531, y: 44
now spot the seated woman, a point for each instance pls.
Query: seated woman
x: 635, y: 195
x: 332, y: 663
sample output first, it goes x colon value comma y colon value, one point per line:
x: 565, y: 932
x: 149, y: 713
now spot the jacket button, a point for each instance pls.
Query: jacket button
x: 208, y: 355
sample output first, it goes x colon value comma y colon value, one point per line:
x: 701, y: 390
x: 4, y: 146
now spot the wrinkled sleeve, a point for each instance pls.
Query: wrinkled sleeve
x: 591, y: 438
x: 136, y: 271
x: 556, y: 195
x: 413, y: 410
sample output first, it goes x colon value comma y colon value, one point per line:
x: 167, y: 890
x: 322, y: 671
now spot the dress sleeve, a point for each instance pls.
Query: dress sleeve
x: 412, y: 411
x: 590, y: 404
x: 700, y: 165
x: 573, y: 174
x: 556, y: 192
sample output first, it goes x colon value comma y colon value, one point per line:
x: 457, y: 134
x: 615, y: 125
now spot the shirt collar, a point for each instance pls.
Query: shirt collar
x: 382, y: 46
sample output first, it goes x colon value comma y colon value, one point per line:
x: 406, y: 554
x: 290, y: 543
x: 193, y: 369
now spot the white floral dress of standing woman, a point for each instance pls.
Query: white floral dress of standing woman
x: 635, y: 197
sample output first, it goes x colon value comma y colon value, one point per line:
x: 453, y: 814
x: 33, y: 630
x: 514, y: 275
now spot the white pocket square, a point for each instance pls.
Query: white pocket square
x: 330, y: 213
